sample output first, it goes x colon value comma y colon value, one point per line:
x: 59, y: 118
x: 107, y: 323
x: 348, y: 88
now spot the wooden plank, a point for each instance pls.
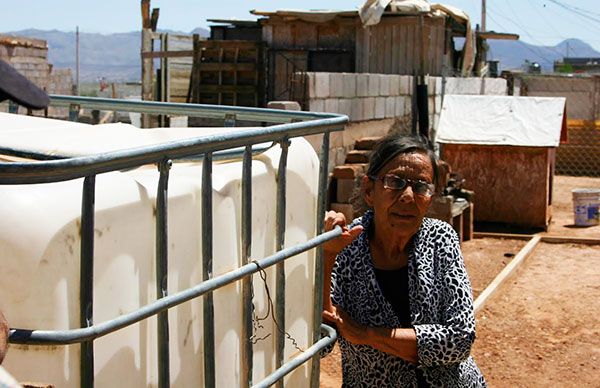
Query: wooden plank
x: 228, y: 89
x: 360, y: 46
x: 511, y: 236
x: 506, y: 273
x: 204, y: 66
x: 222, y: 44
x: 570, y: 240
x: 396, y: 45
x: 388, y: 47
x: 411, y: 48
x: 494, y: 171
x: 168, y: 54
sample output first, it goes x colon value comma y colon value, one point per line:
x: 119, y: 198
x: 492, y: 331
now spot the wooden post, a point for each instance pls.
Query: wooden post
x: 483, y: 15
x: 147, y: 66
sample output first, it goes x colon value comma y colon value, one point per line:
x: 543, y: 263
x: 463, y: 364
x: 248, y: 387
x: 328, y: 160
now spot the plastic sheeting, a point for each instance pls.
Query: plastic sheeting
x: 372, y: 10
x: 502, y: 120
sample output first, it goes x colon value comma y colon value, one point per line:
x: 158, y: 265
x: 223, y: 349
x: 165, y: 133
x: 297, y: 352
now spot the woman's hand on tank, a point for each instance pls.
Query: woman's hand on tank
x: 333, y: 219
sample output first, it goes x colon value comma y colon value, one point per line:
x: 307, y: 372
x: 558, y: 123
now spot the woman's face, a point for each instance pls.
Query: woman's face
x: 400, y: 212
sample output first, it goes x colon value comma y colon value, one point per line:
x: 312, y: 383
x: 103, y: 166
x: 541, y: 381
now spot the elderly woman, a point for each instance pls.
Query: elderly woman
x: 395, y: 283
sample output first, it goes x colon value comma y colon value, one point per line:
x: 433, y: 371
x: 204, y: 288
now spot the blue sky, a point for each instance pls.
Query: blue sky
x: 540, y: 22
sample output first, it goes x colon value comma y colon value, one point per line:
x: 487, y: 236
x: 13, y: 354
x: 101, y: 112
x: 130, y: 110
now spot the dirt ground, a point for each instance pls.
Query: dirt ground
x: 540, y: 329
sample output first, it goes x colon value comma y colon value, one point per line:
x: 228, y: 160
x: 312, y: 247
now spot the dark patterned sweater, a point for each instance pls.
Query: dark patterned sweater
x: 441, y: 311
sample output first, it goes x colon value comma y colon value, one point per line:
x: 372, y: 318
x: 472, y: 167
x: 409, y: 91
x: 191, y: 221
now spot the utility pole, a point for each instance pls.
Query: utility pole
x: 482, y: 15
x: 77, y: 60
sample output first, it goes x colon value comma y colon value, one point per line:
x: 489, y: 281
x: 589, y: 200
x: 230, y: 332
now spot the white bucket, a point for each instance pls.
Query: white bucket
x: 585, y: 206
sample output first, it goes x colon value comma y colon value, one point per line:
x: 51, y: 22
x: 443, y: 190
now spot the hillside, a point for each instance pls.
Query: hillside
x: 512, y: 54
x: 113, y: 56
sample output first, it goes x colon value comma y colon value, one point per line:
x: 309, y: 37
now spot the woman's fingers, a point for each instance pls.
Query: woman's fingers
x: 334, y: 218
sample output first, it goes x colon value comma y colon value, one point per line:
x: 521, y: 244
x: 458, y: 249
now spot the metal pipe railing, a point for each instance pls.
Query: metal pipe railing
x: 53, y: 168
x: 182, y: 109
x: 73, y: 336
x: 162, y: 271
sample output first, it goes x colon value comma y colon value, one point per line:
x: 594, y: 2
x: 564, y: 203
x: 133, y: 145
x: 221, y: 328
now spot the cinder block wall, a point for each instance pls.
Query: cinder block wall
x: 582, y: 93
x: 379, y: 103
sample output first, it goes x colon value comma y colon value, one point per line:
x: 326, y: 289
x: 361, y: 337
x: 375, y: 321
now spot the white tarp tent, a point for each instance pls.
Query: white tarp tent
x: 502, y: 120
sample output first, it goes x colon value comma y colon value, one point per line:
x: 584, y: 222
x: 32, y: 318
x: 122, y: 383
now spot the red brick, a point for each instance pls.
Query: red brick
x: 358, y: 156
x: 349, y: 171
x: 366, y: 143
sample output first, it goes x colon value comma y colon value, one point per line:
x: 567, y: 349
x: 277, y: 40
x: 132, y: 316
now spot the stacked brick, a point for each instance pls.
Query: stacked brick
x: 30, y: 58
x: 345, y: 183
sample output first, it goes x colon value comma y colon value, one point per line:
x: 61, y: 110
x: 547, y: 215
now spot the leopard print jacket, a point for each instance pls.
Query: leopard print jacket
x: 441, y: 310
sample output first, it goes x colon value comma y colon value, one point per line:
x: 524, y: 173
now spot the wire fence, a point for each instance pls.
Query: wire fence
x: 580, y: 155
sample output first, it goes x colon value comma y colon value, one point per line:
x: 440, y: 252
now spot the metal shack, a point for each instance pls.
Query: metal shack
x: 505, y: 148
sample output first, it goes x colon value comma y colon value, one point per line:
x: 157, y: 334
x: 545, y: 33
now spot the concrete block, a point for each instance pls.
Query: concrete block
x: 345, y: 190
x: 344, y: 208
x: 345, y: 106
x: 349, y: 85
x: 400, y: 106
x: 284, y: 105
x: 373, y: 85
x: 362, y: 85
x: 438, y: 85
x: 408, y: 105
x: 380, y: 107
x: 431, y: 85
x: 321, y: 85
x: 316, y: 105
x: 406, y: 85
x: 431, y: 104
x: 332, y: 105
x: 394, y: 81
x: 384, y: 85
x: 438, y: 104
x: 336, y: 139
x: 368, y: 108
x: 356, y: 109
x: 310, y: 80
x: 390, y: 107
x: 336, y: 85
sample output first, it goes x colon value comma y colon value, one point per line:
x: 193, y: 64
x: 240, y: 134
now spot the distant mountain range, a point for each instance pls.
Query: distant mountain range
x: 116, y: 57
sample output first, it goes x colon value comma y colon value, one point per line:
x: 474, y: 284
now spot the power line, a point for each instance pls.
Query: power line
x: 525, y: 30
x: 538, y: 54
x: 576, y: 10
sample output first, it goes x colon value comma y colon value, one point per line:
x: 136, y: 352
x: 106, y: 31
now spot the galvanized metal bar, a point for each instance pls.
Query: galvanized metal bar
x: 74, y: 112
x: 162, y: 261
x: 73, y: 336
x: 313, y: 351
x: 197, y: 110
x: 280, y: 215
x: 86, y: 279
x: 318, y: 300
x: 78, y: 167
x: 207, y: 272
x: 247, y: 306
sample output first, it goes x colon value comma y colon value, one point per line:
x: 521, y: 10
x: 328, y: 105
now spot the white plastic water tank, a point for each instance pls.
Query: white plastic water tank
x: 39, y: 251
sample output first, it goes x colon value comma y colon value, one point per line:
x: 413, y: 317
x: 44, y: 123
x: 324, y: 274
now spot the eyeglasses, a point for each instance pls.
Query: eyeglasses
x: 394, y: 182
